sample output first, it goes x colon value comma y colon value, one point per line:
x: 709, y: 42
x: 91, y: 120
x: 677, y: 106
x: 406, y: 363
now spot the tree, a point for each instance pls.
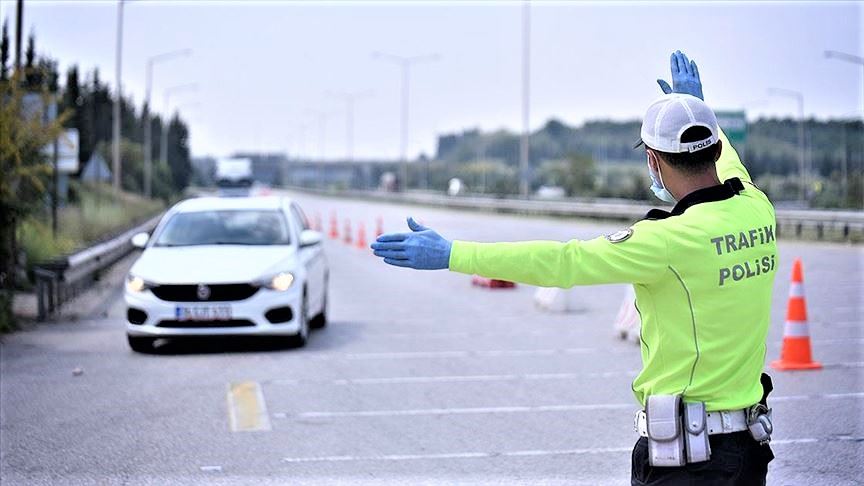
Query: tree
x: 24, y: 171
x: 575, y: 174
x: 4, y: 51
x: 178, y: 153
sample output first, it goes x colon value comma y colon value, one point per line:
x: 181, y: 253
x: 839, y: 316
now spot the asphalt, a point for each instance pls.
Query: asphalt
x: 419, y: 378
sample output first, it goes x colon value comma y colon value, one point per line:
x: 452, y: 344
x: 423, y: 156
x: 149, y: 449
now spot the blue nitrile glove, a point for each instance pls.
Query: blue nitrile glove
x: 422, y: 249
x: 685, y: 77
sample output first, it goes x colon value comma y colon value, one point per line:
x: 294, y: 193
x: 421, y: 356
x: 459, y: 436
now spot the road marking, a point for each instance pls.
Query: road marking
x: 461, y: 411
x: 402, y: 380
x: 825, y: 396
x: 525, y: 453
x: 497, y: 353
x: 552, y: 333
x: 841, y: 324
x: 390, y: 355
x: 851, y: 364
x: 211, y: 468
x: 396, y: 380
x: 247, y: 411
x: 467, y: 354
x: 521, y: 409
x: 475, y: 334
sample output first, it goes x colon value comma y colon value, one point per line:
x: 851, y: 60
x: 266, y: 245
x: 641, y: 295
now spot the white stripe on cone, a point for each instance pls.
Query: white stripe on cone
x: 796, y: 289
x: 796, y: 329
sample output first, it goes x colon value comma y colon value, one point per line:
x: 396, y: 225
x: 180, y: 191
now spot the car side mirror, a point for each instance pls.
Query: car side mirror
x: 140, y: 240
x: 310, y: 238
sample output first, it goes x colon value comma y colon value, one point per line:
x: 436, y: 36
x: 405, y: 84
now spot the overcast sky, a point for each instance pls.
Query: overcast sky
x: 263, y: 68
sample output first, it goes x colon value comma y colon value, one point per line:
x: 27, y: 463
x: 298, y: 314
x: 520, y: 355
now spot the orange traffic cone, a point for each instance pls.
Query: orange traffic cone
x: 379, y: 227
x: 347, y: 235
x: 796, y: 335
x: 334, y: 226
x: 316, y: 225
x: 361, y: 236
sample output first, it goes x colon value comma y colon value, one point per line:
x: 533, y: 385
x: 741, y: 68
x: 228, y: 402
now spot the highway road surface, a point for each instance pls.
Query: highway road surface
x: 419, y: 378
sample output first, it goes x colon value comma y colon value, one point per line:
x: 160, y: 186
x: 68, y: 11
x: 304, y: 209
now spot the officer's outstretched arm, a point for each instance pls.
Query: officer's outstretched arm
x: 636, y: 255
x: 686, y: 80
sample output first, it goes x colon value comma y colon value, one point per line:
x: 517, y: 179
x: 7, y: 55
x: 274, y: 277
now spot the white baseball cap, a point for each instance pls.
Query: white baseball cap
x: 669, y: 116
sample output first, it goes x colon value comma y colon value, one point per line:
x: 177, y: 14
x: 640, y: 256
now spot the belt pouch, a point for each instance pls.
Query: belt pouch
x: 696, y: 432
x: 665, y: 438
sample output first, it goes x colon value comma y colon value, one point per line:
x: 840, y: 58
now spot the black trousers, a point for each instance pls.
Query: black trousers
x: 736, y: 459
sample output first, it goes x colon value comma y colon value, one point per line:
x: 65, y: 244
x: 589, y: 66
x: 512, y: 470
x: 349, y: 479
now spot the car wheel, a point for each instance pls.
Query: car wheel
x: 320, y: 320
x: 141, y: 344
x: 299, y: 340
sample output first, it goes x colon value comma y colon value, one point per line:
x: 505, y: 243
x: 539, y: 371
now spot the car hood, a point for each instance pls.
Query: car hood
x: 212, y: 264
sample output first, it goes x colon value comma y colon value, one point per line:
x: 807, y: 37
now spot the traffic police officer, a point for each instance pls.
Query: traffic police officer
x: 703, y: 275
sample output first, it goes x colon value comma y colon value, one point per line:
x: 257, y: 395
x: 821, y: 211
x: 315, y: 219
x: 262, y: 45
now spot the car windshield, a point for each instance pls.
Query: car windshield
x: 228, y: 227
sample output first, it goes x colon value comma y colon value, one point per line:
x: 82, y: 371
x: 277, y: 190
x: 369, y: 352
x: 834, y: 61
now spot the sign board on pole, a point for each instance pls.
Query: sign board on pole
x: 67, y: 150
x: 734, y: 124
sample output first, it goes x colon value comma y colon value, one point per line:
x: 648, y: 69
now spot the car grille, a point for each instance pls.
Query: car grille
x: 214, y: 323
x: 217, y: 292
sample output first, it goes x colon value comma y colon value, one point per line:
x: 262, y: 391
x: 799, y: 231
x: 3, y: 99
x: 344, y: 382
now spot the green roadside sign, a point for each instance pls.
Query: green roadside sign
x: 734, y: 124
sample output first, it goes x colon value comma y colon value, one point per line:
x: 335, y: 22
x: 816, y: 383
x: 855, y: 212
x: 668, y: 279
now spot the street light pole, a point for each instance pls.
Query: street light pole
x: 799, y: 97
x: 404, y: 64
x: 118, y: 99
x: 843, y: 56
x: 148, y: 129
x: 524, y: 140
x: 350, y: 99
x: 163, y: 145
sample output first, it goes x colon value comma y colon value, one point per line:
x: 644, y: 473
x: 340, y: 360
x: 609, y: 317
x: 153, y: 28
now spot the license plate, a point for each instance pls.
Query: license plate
x: 203, y: 313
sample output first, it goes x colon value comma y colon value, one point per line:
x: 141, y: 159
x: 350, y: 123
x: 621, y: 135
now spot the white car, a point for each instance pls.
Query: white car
x: 227, y: 266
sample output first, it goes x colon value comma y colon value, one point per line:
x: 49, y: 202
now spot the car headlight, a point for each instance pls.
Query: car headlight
x: 279, y: 282
x: 136, y: 284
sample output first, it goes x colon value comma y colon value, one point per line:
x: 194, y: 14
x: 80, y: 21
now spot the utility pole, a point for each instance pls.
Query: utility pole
x: 148, y: 128
x: 350, y: 99
x: 404, y: 64
x: 19, y: 21
x: 802, y: 173
x: 524, y: 140
x: 119, y: 96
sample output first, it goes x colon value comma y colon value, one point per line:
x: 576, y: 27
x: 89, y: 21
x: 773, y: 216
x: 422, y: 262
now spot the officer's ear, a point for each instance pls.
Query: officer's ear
x: 718, y: 150
x: 654, y: 161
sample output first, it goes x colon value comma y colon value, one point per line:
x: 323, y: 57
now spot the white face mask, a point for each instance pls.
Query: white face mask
x: 657, y: 186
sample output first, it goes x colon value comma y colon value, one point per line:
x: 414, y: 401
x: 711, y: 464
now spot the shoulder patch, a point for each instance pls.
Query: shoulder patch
x: 620, y: 236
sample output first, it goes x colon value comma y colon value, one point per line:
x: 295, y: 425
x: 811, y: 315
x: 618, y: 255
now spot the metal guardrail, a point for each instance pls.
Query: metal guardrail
x: 800, y: 223
x: 62, y: 279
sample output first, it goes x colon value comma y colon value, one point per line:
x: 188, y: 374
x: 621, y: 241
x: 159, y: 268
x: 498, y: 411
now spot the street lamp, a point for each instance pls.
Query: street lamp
x: 163, y: 145
x: 524, y: 140
x: 404, y: 64
x: 349, y: 99
x: 321, y: 118
x: 799, y: 97
x: 843, y: 56
x: 118, y: 56
x: 299, y: 140
x: 148, y: 129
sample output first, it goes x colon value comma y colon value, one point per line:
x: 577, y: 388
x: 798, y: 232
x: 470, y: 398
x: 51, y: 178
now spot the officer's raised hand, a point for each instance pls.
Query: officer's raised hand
x: 685, y: 77
x: 421, y: 249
